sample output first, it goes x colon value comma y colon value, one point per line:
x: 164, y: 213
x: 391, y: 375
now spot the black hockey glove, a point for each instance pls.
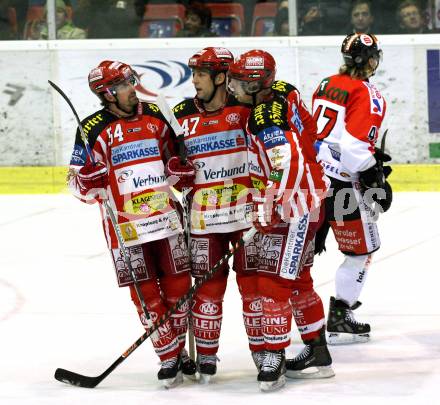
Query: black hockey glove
x: 381, y: 156
x: 385, y: 203
x: 376, y: 175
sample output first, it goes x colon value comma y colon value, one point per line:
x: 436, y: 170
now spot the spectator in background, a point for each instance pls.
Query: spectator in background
x: 322, y: 17
x: 122, y: 17
x: 64, y: 27
x: 197, y: 22
x: 281, y: 27
x: 362, y: 18
x: 410, y: 18
x: 6, y: 32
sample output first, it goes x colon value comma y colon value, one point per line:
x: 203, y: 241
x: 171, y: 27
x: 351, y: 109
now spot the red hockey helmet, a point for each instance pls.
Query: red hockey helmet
x: 213, y: 59
x: 255, y: 67
x: 108, y: 74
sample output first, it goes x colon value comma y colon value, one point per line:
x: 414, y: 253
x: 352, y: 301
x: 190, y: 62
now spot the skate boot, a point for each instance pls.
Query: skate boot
x: 258, y: 358
x: 170, y: 372
x: 189, y: 367
x: 342, y: 328
x: 206, y: 366
x: 271, y: 376
x: 313, y: 362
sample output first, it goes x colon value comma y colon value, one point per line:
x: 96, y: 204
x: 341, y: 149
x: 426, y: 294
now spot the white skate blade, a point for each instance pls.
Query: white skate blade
x: 173, y: 382
x: 335, y: 338
x: 204, y: 379
x: 311, y: 373
x: 269, y: 386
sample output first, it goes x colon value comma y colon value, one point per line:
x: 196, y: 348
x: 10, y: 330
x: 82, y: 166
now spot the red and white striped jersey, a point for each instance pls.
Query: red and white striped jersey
x: 133, y: 150
x: 216, y: 143
x: 282, y: 134
x: 349, y: 113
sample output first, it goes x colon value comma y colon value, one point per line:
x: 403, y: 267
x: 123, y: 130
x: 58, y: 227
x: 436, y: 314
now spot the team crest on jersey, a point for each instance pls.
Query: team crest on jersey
x: 233, y: 118
x: 376, y: 99
x: 153, y: 127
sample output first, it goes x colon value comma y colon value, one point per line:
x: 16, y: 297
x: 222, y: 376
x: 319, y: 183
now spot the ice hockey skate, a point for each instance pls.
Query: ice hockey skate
x: 170, y: 372
x: 272, y: 374
x: 258, y: 358
x: 207, y: 367
x: 314, y: 361
x: 189, y: 367
x: 342, y: 328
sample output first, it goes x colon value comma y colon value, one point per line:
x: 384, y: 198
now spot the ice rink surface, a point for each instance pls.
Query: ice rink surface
x: 60, y: 307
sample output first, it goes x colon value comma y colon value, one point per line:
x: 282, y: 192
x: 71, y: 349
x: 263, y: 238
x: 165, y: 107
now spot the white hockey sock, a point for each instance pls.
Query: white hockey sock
x: 351, y: 276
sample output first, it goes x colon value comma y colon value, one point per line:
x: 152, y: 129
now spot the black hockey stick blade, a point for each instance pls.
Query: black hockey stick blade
x: 69, y: 377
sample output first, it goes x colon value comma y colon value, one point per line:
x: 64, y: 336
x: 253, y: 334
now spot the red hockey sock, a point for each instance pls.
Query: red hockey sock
x: 252, y: 310
x: 164, y: 341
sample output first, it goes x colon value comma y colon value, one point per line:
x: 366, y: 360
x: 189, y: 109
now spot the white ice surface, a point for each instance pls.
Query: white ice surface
x: 60, y: 307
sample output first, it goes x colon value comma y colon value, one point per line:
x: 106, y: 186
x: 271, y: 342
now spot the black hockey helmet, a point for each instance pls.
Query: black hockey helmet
x: 358, y: 48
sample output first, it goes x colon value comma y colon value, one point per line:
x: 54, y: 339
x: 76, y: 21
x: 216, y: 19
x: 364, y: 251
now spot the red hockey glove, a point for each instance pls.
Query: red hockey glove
x: 93, y: 177
x: 266, y: 216
x: 185, y: 172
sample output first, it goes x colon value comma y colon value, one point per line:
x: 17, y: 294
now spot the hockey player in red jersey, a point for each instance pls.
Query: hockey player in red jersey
x: 349, y: 111
x: 215, y: 140
x: 287, y: 213
x: 130, y: 141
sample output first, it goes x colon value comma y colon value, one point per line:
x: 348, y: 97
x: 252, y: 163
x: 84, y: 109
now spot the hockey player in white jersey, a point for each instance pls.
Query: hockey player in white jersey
x: 349, y: 111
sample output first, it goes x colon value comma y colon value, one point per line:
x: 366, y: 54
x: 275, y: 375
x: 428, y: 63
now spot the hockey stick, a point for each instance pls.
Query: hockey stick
x: 380, y: 163
x: 110, y: 213
x: 180, y: 135
x: 80, y: 380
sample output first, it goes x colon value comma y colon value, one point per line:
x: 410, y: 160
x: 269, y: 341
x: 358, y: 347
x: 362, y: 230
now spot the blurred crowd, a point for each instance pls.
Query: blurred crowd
x: 79, y: 19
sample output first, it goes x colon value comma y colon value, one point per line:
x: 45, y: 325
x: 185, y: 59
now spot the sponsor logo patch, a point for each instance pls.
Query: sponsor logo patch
x: 376, y: 99
x: 133, y: 151
x: 272, y: 136
x: 366, y: 40
x: 79, y: 156
x: 209, y: 308
x: 213, y: 142
x: 254, y: 62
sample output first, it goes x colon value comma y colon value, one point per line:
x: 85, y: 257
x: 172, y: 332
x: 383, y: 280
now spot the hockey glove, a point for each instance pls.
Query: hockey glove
x: 265, y: 214
x: 381, y: 156
x: 184, y: 172
x: 385, y: 203
x: 375, y: 176
x: 93, y: 177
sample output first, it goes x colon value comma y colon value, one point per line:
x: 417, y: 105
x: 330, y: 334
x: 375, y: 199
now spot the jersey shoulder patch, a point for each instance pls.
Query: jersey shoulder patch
x: 283, y: 88
x: 93, y: 125
x: 376, y: 99
x: 152, y: 110
x: 184, y: 108
x: 269, y: 114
